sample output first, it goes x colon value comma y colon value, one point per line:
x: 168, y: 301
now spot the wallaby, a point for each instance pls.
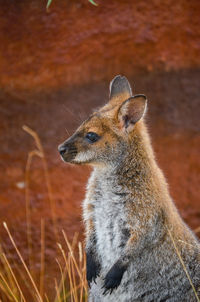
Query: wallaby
x: 137, y: 246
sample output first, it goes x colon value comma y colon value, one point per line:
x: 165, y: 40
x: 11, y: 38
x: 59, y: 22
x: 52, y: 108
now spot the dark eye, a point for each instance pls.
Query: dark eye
x: 92, y: 137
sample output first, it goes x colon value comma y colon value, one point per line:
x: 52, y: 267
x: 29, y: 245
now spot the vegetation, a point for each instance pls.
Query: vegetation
x: 91, y: 1
x: 17, y: 278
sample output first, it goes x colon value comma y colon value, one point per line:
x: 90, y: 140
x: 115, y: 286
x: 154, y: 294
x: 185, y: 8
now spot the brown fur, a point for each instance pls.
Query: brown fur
x: 129, y: 214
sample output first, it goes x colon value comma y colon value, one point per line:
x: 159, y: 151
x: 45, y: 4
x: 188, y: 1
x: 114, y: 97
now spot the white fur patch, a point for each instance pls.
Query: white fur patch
x: 82, y: 157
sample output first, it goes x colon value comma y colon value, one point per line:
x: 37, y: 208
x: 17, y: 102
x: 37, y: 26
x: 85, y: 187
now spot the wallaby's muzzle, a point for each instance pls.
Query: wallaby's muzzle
x: 67, y: 151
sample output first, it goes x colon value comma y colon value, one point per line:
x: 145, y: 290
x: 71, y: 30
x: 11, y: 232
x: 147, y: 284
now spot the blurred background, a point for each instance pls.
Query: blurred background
x: 55, y: 68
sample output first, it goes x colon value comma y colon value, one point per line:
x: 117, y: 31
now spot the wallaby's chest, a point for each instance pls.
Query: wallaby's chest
x: 110, y: 219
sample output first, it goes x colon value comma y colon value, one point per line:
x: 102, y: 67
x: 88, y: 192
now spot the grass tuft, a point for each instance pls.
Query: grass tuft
x: 17, y: 278
x: 70, y: 287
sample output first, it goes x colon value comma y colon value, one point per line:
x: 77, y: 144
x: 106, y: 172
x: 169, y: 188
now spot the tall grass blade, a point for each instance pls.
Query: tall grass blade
x: 23, y: 262
x: 183, y: 264
x: 47, y: 178
x: 42, y: 258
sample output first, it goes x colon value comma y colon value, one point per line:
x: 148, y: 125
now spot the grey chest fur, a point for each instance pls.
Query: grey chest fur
x: 110, y: 220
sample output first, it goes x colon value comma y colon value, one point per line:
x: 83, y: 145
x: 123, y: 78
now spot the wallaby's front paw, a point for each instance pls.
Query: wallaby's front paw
x: 93, y: 268
x: 113, y: 278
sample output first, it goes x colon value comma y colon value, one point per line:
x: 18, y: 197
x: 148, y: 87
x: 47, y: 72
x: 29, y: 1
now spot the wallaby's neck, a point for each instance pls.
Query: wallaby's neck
x: 137, y: 167
x: 139, y: 163
x: 140, y: 158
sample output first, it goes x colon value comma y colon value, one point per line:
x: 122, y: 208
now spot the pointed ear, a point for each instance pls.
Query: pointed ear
x: 131, y: 111
x: 120, y: 86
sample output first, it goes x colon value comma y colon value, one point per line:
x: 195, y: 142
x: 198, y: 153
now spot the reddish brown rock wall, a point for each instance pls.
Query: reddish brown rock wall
x: 77, y: 42
x: 55, y: 67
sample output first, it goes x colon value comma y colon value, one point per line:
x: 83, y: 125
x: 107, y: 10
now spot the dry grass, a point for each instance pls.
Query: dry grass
x: 183, y: 265
x: 17, y: 279
x: 72, y: 284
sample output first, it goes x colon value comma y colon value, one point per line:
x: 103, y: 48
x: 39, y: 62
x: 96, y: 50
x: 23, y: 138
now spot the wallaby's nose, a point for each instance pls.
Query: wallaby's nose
x: 62, y: 149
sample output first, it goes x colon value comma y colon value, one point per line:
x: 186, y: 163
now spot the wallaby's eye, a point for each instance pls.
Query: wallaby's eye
x: 92, y: 137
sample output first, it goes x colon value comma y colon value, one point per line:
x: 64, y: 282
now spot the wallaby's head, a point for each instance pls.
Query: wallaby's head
x: 104, y: 137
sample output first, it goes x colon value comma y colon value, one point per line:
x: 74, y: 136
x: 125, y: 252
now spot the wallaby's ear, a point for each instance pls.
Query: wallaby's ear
x: 120, y: 86
x: 131, y: 111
